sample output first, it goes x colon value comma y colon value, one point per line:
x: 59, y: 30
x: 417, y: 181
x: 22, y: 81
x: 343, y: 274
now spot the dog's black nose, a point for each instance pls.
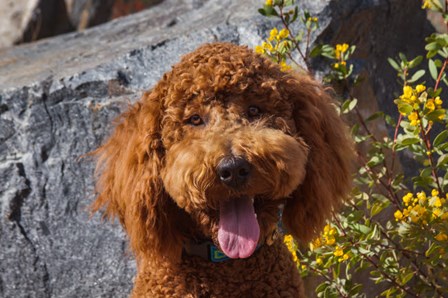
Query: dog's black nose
x: 233, y: 171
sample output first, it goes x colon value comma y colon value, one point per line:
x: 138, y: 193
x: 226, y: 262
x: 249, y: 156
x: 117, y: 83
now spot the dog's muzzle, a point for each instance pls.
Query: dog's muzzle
x: 233, y: 171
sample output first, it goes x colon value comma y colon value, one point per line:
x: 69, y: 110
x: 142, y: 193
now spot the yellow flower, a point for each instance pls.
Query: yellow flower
x: 413, y: 117
x: 338, y: 252
x: 266, y: 46
x: 436, y: 202
x: 315, y: 19
x: 316, y: 243
x: 295, y: 258
x: 336, y: 65
x: 273, y: 34
x: 343, y: 258
x: 420, y: 88
x: 434, y: 192
x: 284, y: 66
x: 287, y: 238
x: 441, y: 237
x: 438, y: 101
x: 414, y: 217
x: 340, y: 49
x: 259, y: 50
x: 330, y: 241
x: 407, y: 91
x: 407, y: 198
x: 329, y: 230
x: 421, y: 195
x: 268, y: 2
x: 319, y: 261
x: 426, y: 4
x: 284, y: 33
x: 430, y: 105
x: 436, y: 212
x: 398, y: 215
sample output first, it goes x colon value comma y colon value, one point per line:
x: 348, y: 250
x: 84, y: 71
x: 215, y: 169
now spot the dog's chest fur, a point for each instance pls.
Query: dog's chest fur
x: 270, y: 272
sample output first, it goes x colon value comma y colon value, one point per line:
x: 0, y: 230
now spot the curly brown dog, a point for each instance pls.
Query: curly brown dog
x: 198, y: 169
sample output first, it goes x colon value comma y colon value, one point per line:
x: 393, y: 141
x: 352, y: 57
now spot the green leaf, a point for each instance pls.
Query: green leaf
x: 436, y: 115
x: 268, y: 11
x: 445, y: 80
x: 441, y: 137
x: 431, y: 54
x: 409, y: 140
x: 296, y: 13
x: 432, y: 248
x: 415, y: 62
x: 348, y: 105
x: 374, y: 116
x: 443, y: 160
x: 378, y: 207
x: 432, y: 69
x: 316, y: 51
x: 394, y: 64
x: 417, y: 75
x: 426, y: 172
x: 403, y: 57
x: 374, y: 161
x: 403, y: 107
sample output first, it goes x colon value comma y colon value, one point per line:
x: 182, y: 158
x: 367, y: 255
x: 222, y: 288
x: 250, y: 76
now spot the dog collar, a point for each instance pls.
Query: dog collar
x: 206, y: 250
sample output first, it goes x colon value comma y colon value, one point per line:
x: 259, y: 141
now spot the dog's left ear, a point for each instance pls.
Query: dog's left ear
x: 129, y: 185
x: 328, y: 171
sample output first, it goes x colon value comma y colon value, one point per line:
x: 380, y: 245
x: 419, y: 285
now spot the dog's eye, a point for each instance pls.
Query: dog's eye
x: 195, y: 120
x: 253, y: 111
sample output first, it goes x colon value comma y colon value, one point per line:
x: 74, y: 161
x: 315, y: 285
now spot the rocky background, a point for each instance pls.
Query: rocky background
x: 58, y: 97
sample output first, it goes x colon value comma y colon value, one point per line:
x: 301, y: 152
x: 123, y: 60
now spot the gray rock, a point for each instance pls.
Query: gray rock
x: 30, y: 20
x: 14, y: 18
x: 88, y: 13
x: 58, y: 98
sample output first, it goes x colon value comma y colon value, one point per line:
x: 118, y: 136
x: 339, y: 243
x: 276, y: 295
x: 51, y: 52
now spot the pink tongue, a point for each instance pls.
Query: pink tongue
x: 238, y: 228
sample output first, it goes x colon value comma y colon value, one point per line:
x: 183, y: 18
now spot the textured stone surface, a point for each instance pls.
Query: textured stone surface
x: 59, y: 96
x: 14, y: 18
x: 30, y: 20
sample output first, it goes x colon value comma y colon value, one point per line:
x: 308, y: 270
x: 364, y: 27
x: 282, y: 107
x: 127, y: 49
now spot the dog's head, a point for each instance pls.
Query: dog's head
x: 216, y: 147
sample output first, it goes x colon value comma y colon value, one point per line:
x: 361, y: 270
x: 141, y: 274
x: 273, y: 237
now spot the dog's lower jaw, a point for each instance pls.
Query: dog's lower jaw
x: 269, y: 272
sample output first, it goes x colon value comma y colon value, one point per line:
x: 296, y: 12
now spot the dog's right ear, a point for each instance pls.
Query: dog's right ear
x: 129, y: 185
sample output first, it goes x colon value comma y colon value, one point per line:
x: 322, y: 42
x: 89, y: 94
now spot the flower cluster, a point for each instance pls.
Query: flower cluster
x: 426, y: 4
x: 277, y: 43
x: 339, y: 52
x: 433, y: 5
x: 415, y: 104
x: 422, y: 209
x: 328, y: 239
x: 339, y: 252
x: 292, y: 247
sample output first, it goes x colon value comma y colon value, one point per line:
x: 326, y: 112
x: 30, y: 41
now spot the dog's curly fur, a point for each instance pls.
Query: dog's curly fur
x: 157, y: 172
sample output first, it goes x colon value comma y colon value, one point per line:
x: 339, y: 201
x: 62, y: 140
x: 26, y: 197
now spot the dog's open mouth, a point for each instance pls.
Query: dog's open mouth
x: 238, y: 227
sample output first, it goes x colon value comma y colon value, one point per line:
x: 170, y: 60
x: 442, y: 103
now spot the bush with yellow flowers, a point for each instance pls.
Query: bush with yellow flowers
x: 394, y: 227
